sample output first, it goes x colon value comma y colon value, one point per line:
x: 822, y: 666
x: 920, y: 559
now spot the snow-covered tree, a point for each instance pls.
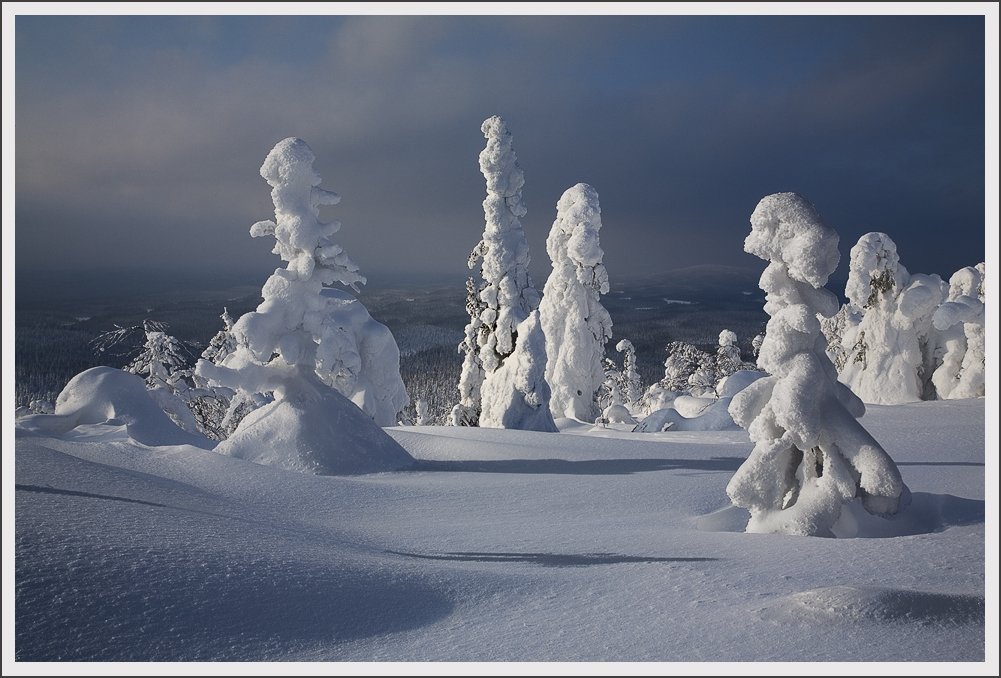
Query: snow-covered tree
x: 683, y: 360
x: 292, y: 348
x: 728, y: 358
x: 960, y: 321
x: 516, y: 395
x: 467, y: 411
x: 702, y: 382
x: 576, y: 325
x: 834, y: 329
x: 756, y: 344
x: 810, y: 453
x: 614, y: 385
x: 507, y: 295
x: 631, y: 376
x: 421, y: 412
x: 884, y: 358
x: 162, y: 360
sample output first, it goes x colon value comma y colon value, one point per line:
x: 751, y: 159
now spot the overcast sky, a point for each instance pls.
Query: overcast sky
x: 138, y: 139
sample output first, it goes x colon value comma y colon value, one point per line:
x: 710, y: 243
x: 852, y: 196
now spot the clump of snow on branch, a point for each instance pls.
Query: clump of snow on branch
x: 294, y: 347
x: 810, y: 454
x: 517, y: 394
x: 960, y: 320
x: 576, y: 325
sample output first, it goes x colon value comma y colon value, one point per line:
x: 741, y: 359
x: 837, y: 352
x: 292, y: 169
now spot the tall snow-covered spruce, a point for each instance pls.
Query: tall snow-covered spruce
x: 576, y: 325
x: 960, y: 321
x: 301, y: 343
x: 811, y: 455
x: 507, y: 297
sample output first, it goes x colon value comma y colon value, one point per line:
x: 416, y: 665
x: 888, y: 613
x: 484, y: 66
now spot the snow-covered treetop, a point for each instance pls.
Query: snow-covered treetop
x: 624, y: 345
x: 574, y: 239
x: 786, y: 229
x: 965, y: 302
x: 727, y: 338
x: 874, y: 270
x: 302, y: 239
x: 499, y: 165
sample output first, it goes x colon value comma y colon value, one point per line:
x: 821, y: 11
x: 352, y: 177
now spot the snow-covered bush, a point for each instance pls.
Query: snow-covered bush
x: 960, y: 320
x: 810, y: 453
x: 292, y: 347
x: 631, y: 376
x: 576, y: 325
x: 883, y: 361
x: 507, y: 295
x: 517, y: 395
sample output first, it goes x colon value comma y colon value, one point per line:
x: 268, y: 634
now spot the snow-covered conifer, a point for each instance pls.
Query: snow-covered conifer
x: 576, y: 325
x: 516, y: 395
x: 631, y: 376
x: 810, y: 453
x: 292, y: 348
x: 683, y: 360
x: 960, y: 322
x: 883, y: 355
x: 507, y: 295
x: 728, y: 358
x: 421, y: 410
x: 756, y: 344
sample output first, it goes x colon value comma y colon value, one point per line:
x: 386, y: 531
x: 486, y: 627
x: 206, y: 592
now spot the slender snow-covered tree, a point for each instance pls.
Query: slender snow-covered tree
x: 287, y: 347
x: 810, y: 453
x: 631, y: 376
x: 960, y: 321
x: 421, y: 411
x: 576, y: 325
x: 516, y: 395
x: 507, y: 296
x: 756, y: 344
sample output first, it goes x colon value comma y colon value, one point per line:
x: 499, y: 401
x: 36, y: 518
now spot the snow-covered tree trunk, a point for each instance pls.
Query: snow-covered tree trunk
x: 467, y: 411
x: 507, y: 296
x: 631, y: 375
x: 576, y: 325
x: 810, y: 453
x: 290, y: 346
x: 517, y: 394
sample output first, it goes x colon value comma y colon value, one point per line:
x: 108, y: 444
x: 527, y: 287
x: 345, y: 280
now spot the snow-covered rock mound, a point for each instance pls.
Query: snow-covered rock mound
x: 325, y: 435
x: 104, y: 395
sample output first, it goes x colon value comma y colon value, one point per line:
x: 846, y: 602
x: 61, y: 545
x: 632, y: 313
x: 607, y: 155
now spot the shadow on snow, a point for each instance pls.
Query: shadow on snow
x: 549, y: 559
x: 584, y: 467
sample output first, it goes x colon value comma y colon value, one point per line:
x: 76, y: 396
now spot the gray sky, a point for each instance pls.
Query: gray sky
x: 139, y: 139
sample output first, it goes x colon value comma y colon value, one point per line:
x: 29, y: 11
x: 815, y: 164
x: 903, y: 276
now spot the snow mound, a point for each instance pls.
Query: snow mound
x: 926, y: 513
x: 715, y: 417
x: 737, y: 382
x: 104, y: 395
x: 617, y: 414
x: 325, y: 435
x: 875, y: 604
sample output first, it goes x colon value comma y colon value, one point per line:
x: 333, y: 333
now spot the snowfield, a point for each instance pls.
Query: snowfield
x: 586, y: 545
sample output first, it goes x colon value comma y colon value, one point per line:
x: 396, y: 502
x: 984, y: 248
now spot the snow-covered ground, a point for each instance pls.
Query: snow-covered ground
x: 587, y: 545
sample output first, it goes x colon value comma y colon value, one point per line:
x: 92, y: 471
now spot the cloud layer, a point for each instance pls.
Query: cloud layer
x: 139, y: 138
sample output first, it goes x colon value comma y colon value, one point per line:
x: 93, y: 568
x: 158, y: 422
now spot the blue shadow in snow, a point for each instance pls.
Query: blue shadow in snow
x: 549, y: 559
x: 595, y: 467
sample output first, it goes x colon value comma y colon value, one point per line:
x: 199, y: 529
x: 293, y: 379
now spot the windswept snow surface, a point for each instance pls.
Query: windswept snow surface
x: 591, y: 544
